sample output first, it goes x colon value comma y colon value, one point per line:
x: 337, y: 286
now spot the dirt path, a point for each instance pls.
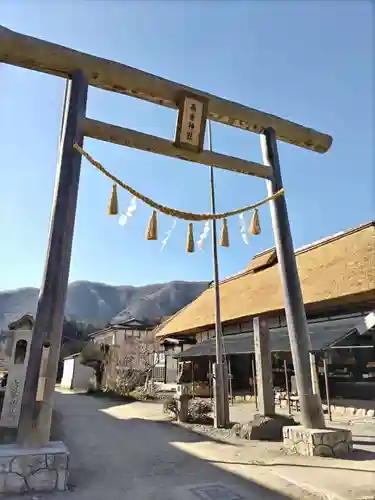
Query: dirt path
x: 125, y: 452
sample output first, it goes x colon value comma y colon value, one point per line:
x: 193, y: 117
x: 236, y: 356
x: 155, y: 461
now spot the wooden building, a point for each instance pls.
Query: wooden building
x: 337, y: 277
x: 118, y: 333
x: 135, y: 343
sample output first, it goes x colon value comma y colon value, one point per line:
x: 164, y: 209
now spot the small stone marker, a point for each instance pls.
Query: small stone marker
x: 21, y: 331
x: 10, y: 413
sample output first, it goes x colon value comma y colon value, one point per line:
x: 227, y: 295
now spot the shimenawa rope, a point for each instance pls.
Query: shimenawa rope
x: 188, y: 216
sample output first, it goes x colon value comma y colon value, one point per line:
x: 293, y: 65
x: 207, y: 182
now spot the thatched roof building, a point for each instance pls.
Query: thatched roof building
x: 335, y: 273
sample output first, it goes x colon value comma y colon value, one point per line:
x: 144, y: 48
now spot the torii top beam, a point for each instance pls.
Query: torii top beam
x: 39, y: 55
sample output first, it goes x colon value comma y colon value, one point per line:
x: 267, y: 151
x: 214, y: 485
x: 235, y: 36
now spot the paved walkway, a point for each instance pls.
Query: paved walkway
x: 130, y: 452
x: 127, y: 452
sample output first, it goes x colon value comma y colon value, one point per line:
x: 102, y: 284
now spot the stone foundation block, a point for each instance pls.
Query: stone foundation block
x: 263, y: 428
x: 27, y: 470
x: 333, y: 443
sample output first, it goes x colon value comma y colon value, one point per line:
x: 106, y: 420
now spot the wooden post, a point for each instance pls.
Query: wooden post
x: 311, y: 406
x: 230, y: 378
x: 314, y: 373
x: 33, y: 428
x: 263, y: 364
x: 192, y: 379
x: 226, y: 393
x: 287, y: 386
x: 221, y: 411
x: 165, y: 367
x: 325, y: 366
x: 210, y: 378
x: 254, y: 382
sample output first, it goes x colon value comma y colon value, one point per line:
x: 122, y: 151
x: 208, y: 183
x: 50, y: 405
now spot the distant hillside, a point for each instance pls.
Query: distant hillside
x: 99, y: 304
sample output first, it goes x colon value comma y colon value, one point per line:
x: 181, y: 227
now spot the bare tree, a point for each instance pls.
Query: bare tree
x: 131, y: 364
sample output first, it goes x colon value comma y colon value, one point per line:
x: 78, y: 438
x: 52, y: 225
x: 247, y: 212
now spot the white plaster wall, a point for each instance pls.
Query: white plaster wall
x: 105, y: 338
x: 67, y: 377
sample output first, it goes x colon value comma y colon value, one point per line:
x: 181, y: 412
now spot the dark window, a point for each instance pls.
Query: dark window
x: 20, y: 352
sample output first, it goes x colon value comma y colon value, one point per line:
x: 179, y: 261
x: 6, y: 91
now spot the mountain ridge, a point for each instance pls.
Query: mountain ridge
x: 99, y: 303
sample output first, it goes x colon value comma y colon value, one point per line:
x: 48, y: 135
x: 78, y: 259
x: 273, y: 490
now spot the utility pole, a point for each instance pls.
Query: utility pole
x: 221, y: 414
x: 49, y: 318
x: 311, y: 407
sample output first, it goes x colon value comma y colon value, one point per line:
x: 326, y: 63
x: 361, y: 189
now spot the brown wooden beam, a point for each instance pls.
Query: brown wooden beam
x: 145, y: 142
x: 34, y: 427
x: 32, y: 53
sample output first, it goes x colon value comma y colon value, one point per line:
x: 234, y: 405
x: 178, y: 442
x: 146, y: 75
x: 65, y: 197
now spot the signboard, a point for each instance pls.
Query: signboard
x: 191, y: 123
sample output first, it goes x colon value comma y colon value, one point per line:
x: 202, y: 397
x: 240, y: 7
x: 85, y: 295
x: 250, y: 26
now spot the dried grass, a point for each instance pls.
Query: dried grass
x: 339, y: 269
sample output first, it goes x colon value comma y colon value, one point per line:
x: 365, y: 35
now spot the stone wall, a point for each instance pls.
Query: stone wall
x: 33, y: 470
x: 332, y: 443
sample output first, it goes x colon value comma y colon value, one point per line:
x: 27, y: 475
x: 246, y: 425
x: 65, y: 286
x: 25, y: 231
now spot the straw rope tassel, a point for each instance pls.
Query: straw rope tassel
x: 173, y: 212
x: 224, y: 241
x: 255, y: 223
x: 113, y: 202
x: 190, y: 247
x: 152, y: 229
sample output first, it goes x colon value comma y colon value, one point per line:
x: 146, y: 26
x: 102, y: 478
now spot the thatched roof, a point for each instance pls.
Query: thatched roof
x: 334, y: 271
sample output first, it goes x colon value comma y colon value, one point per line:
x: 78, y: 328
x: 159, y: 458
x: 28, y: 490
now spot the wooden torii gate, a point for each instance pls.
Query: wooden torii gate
x: 81, y: 70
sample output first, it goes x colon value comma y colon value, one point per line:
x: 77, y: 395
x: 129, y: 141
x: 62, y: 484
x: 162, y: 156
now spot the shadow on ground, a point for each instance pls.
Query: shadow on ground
x: 135, y: 458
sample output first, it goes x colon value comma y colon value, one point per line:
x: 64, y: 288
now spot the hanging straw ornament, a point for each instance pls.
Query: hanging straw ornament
x: 113, y: 202
x: 190, y: 239
x: 152, y: 229
x: 224, y: 241
x: 255, y: 223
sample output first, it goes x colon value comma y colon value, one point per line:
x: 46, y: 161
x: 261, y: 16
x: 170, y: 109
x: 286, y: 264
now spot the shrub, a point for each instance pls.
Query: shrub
x: 146, y: 392
x: 199, y: 410
x: 126, y: 381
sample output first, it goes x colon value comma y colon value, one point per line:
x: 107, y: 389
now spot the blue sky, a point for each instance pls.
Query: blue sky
x: 310, y: 62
